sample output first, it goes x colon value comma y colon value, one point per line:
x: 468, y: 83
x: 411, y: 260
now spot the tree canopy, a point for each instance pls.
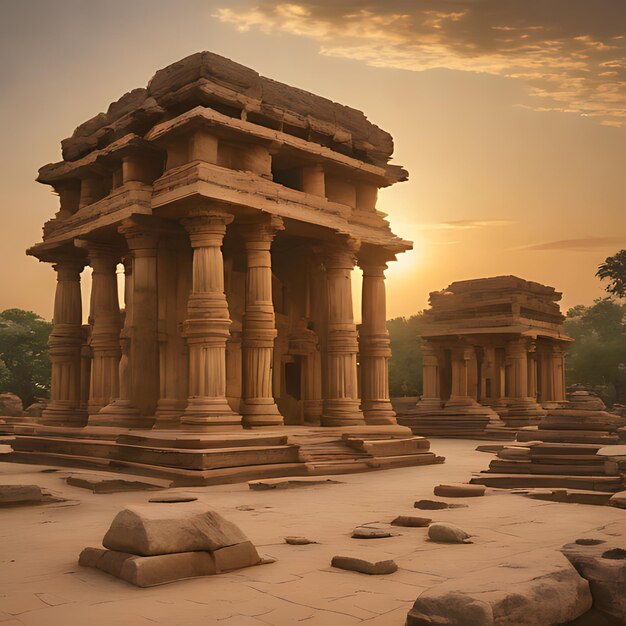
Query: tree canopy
x: 25, y: 368
x: 599, y: 333
x: 614, y: 270
x: 405, y: 365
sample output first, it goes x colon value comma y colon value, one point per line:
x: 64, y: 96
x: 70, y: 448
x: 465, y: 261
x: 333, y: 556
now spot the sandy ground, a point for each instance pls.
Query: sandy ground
x: 42, y: 585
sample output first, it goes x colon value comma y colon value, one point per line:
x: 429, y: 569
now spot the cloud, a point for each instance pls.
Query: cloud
x: 578, y: 245
x: 572, y: 53
x: 465, y: 224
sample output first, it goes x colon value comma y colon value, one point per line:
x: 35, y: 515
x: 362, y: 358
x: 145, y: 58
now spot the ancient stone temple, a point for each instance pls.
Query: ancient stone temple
x: 238, y: 208
x: 493, y: 348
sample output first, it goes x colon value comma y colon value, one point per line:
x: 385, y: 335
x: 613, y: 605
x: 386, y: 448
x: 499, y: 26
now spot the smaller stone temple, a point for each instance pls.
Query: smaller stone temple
x: 493, y: 352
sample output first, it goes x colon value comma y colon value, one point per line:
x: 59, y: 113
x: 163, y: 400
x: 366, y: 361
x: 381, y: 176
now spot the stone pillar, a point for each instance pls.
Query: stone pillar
x: 207, y: 324
x: 521, y: 408
x: 174, y: 269
x: 532, y: 370
x: 142, y: 242
x: 105, y: 332
x: 121, y: 411
x: 65, y: 345
x: 341, y: 401
x: 313, y: 180
x: 258, y: 407
x: 557, y: 357
x: 85, y: 367
x: 374, y: 345
x: 460, y: 362
x: 431, y: 394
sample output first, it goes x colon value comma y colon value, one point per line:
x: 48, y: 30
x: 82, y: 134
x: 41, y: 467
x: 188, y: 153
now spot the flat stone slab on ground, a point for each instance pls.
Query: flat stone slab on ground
x: 513, y: 593
x: 20, y: 494
x: 289, y: 482
x: 459, y: 490
x: 373, y: 568
x: 436, y: 505
x: 298, y: 541
x: 147, y: 571
x: 104, y: 484
x: 155, y: 529
x: 173, y: 498
x: 365, y: 532
x: 411, y: 521
x: 576, y: 496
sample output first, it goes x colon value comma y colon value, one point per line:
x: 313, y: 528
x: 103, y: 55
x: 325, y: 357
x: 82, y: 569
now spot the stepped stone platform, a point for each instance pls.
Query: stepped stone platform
x: 192, y: 458
x: 564, y: 451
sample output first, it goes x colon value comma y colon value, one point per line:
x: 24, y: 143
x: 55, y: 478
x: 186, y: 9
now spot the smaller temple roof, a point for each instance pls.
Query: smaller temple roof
x: 495, y: 305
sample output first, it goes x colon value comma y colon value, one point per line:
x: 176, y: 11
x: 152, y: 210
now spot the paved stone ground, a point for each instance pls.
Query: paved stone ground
x: 42, y: 585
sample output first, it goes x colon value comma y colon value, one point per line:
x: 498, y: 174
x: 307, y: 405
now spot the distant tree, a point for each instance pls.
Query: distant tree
x: 599, y: 334
x: 25, y: 368
x: 405, y: 365
x: 614, y: 270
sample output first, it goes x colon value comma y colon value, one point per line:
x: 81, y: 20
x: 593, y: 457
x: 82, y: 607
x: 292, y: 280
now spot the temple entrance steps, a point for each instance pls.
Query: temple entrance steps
x: 192, y: 458
x: 551, y: 465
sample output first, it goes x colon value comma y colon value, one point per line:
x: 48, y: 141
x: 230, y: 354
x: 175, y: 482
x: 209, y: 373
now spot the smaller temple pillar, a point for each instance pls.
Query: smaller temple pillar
x: 557, y: 358
x: 341, y: 401
x: 65, y: 345
x: 258, y: 407
x: 374, y: 345
x: 521, y: 408
x: 532, y: 370
x: 431, y: 385
x: 460, y: 361
x: 105, y: 332
x: 207, y: 324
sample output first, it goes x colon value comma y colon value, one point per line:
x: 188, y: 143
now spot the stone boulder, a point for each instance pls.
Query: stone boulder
x: 603, y: 564
x: 447, y: 533
x: 35, y: 409
x: 537, y: 589
x: 10, y: 405
x: 373, y: 568
x: 618, y: 499
x: 162, y: 529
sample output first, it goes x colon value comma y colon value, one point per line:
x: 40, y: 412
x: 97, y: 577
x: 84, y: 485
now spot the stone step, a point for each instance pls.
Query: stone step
x: 567, y: 436
x: 388, y: 447
x: 514, y: 481
x: 526, y: 467
x: 194, y: 441
x: 179, y: 477
x: 212, y: 458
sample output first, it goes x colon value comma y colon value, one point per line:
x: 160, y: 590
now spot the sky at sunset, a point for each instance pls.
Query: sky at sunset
x: 509, y: 115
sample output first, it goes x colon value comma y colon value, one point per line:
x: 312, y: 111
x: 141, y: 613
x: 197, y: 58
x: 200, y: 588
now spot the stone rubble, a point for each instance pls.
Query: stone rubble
x: 157, y: 544
x: 373, y: 568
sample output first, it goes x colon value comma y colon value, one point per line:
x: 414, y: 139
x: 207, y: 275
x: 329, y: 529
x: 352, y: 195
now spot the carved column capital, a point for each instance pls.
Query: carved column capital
x: 206, y: 227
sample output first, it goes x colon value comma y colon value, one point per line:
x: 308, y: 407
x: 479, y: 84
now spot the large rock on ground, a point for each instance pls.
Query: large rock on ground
x: 10, y: 405
x: 35, y: 409
x: 162, y: 529
x: 20, y: 494
x: 603, y: 564
x: 540, y: 589
x: 447, y: 533
x: 373, y: 568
